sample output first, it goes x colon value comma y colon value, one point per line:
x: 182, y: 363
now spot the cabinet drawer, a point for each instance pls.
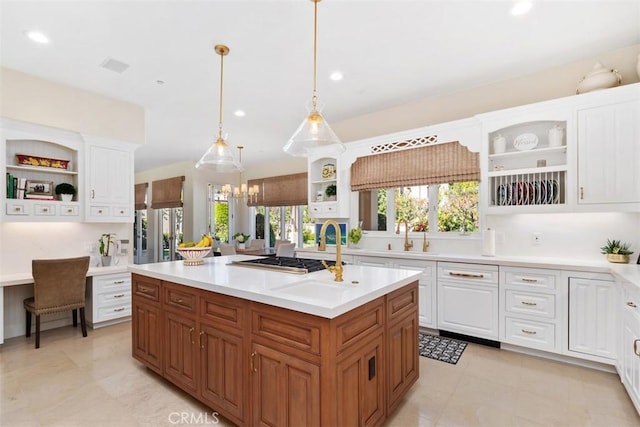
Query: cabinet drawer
x: 223, y: 310
x: 468, y: 273
x: 100, y: 211
x: 120, y: 211
x: 530, y: 333
x: 401, y: 302
x: 69, y: 210
x: 109, y: 283
x: 179, y: 297
x: 113, y: 297
x: 113, y: 312
x: 17, y: 208
x: 292, y: 329
x: 44, y: 209
x: 427, y: 267
x: 146, y: 288
x: 323, y: 208
x: 541, y: 305
x: 530, y: 278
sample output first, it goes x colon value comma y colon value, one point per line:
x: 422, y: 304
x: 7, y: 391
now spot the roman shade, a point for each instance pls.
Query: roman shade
x: 167, y: 193
x: 141, y: 195
x: 283, y: 190
x: 433, y: 164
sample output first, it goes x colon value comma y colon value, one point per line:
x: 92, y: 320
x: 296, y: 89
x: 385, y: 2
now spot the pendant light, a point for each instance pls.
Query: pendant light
x: 243, y: 191
x: 218, y: 157
x: 314, y: 131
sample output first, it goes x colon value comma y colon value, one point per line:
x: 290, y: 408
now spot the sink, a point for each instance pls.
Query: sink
x: 316, y: 290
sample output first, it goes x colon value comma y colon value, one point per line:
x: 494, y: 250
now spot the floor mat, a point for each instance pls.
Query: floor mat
x: 440, y: 348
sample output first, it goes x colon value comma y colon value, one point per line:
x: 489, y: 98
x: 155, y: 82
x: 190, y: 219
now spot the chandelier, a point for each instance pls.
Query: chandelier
x: 314, y: 131
x: 242, y: 191
x: 218, y: 157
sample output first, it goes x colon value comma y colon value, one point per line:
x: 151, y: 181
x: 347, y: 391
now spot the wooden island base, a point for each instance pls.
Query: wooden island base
x: 258, y: 364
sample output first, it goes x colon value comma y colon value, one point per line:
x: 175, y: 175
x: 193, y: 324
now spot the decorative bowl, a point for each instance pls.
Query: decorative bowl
x: 194, y: 255
x: 28, y: 160
x: 618, y: 258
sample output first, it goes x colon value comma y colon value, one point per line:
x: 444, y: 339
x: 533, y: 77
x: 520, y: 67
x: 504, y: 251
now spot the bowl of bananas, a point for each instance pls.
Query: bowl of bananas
x: 194, y: 253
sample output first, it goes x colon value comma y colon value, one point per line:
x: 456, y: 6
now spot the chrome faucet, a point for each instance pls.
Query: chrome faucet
x: 335, y: 269
x: 407, y: 245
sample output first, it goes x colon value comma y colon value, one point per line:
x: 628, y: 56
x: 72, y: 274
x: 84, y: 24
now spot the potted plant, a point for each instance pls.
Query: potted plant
x: 617, y: 251
x: 354, y: 236
x: 331, y: 191
x: 242, y: 239
x: 104, y: 244
x: 65, y: 191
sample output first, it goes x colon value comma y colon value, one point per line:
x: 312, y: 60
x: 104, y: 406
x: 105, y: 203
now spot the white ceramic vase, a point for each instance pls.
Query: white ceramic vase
x: 66, y: 197
x: 499, y: 144
x: 556, y: 134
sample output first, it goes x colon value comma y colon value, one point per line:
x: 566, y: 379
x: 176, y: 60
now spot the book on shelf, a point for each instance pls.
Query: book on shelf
x: 22, y: 183
x: 39, y: 197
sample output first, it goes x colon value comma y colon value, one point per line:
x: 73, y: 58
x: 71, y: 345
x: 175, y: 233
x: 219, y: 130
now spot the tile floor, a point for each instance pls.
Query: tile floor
x: 71, y: 381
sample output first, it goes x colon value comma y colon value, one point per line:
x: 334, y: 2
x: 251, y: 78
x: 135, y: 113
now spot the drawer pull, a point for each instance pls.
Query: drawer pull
x: 253, y: 366
x: 118, y: 309
x: 45, y: 210
x: 69, y: 210
x: 528, y: 303
x: 143, y: 289
x: 191, y: 335
x: 200, y: 338
x: 528, y: 332
x: 119, y: 296
x: 118, y: 282
x: 635, y: 347
x: 524, y: 279
x: 632, y: 304
x: 468, y: 275
x: 178, y: 300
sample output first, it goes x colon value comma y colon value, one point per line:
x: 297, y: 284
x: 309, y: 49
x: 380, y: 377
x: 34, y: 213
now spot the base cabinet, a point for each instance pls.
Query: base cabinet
x: 630, y: 343
x: 258, y: 364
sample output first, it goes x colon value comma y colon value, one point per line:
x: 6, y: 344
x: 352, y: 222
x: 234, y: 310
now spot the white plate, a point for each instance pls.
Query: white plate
x: 526, y: 141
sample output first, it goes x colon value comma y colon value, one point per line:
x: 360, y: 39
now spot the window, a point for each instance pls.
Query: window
x: 284, y: 223
x: 453, y: 207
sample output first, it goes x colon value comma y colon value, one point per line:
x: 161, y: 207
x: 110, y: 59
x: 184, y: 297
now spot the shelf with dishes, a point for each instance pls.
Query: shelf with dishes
x: 529, y: 188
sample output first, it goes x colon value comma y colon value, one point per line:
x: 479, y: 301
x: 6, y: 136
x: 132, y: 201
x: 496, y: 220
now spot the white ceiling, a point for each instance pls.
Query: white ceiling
x: 390, y: 51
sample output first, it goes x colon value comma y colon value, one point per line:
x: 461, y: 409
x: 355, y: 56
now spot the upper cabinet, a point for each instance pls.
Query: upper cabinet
x: 109, y: 181
x: 609, y: 150
x: 526, y: 162
x: 37, y: 158
x: 328, y: 187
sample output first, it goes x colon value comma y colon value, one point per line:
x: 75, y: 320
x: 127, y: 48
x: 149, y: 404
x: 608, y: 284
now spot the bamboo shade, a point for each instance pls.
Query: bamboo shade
x: 167, y: 193
x: 433, y: 164
x: 141, y: 195
x: 283, y: 190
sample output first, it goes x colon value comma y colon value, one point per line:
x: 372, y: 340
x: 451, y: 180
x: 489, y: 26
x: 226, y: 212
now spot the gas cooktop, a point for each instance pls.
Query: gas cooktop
x: 285, y: 264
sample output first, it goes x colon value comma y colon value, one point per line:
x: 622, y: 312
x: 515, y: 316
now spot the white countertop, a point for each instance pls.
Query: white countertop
x: 26, y: 278
x: 264, y: 286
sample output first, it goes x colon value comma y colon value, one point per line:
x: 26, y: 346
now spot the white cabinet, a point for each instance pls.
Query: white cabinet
x: 325, y: 174
x: 372, y: 261
x: 468, y: 299
x: 527, y: 162
x: 592, y: 317
x: 530, y: 308
x: 426, y: 289
x: 36, y: 156
x: 109, y: 182
x: 630, y: 344
x: 609, y: 152
x: 108, y: 299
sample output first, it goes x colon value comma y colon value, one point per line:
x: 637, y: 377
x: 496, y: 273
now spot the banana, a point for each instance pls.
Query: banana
x: 201, y: 243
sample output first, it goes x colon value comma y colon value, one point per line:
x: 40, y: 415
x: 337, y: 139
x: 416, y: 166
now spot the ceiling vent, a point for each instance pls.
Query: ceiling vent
x: 114, y: 65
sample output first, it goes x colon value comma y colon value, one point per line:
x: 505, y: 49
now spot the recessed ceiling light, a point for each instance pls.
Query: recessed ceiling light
x: 239, y: 113
x: 37, y: 37
x: 336, y: 76
x: 521, y: 7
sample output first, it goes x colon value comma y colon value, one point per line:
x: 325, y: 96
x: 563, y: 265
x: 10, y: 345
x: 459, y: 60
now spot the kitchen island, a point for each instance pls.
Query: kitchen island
x: 265, y: 347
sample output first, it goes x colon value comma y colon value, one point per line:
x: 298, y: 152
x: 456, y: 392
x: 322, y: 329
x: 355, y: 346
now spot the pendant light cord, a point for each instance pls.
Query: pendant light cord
x: 314, y: 99
x: 220, y: 106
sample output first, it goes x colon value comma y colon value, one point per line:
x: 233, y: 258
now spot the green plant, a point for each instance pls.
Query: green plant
x: 355, y: 234
x: 331, y: 190
x: 241, y: 237
x: 104, y: 242
x: 65, y: 188
x: 616, y: 247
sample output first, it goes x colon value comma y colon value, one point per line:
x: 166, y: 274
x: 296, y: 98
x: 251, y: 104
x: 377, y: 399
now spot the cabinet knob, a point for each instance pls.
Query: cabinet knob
x: 635, y: 347
x: 631, y: 304
x: 581, y: 193
x: 93, y: 194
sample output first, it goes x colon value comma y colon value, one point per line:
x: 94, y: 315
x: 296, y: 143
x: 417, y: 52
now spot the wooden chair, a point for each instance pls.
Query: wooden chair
x: 227, y: 249
x: 286, y: 249
x: 58, y: 285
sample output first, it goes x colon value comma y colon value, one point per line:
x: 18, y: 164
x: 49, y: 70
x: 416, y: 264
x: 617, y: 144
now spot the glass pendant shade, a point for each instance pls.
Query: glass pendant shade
x: 313, y: 132
x: 218, y: 158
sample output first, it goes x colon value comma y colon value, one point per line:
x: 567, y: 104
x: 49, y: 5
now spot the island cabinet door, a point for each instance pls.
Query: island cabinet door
x: 221, y: 370
x: 360, y: 385
x: 286, y: 389
x: 146, y: 334
x: 180, y: 364
x: 403, y: 368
